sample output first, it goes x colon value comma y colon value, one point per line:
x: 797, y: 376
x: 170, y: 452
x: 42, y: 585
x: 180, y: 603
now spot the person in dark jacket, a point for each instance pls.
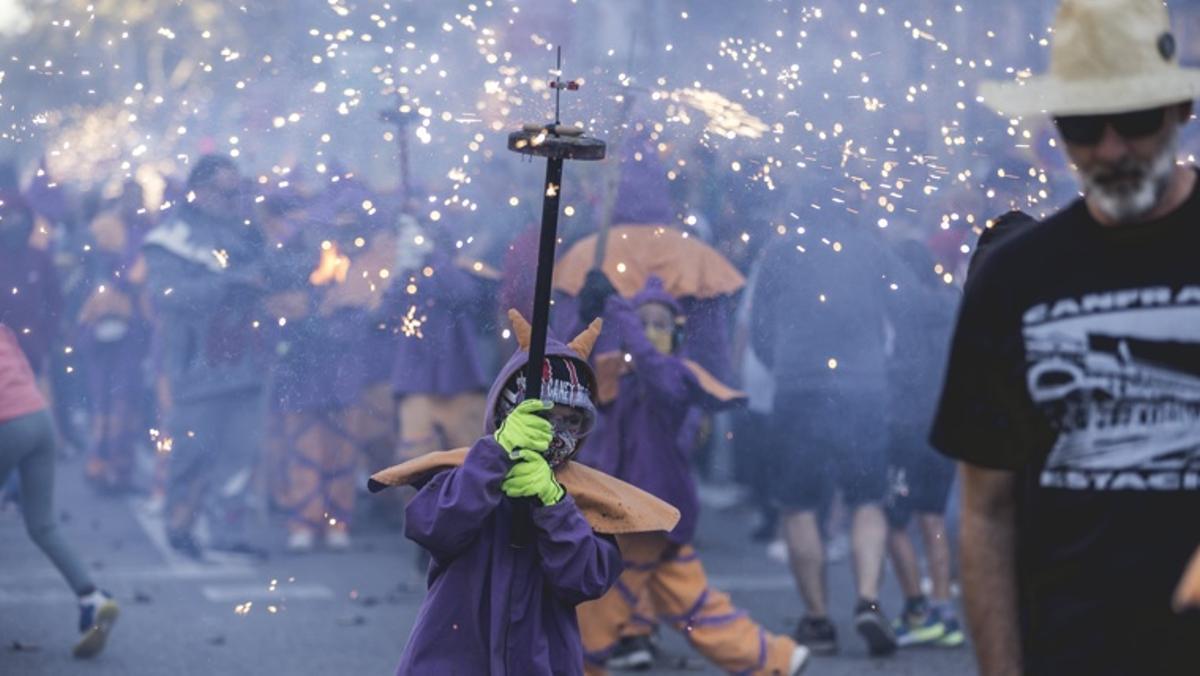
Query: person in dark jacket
x: 206, y: 281
x: 112, y: 336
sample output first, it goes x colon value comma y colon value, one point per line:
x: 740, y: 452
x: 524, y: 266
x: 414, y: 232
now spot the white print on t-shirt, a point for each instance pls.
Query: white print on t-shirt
x: 1118, y: 375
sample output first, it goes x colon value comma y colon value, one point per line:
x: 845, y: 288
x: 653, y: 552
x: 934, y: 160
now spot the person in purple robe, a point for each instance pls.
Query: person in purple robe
x: 327, y: 410
x: 113, y: 336
x: 437, y: 375
x: 646, y: 438
x: 512, y: 553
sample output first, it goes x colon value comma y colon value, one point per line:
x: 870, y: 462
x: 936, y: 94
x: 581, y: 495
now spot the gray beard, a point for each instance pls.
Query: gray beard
x: 1132, y: 205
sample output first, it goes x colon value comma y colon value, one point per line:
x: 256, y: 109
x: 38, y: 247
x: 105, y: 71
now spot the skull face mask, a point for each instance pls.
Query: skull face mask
x: 570, y: 425
x: 562, y: 447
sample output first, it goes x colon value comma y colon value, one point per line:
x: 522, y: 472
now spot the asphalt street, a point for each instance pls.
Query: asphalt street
x: 324, y: 613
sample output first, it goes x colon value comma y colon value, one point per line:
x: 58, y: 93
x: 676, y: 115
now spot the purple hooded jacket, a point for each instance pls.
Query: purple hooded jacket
x: 639, y: 437
x: 494, y: 607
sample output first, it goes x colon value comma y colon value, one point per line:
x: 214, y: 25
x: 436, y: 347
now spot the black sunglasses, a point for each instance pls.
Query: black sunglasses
x: 1089, y: 129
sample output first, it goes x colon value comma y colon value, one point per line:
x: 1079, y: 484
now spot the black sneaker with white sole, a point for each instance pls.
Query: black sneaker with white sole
x: 874, y: 628
x: 633, y: 653
x: 817, y: 634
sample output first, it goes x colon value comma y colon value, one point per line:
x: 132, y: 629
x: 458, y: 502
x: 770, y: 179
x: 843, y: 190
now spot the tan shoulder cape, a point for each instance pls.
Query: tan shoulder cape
x: 610, y: 505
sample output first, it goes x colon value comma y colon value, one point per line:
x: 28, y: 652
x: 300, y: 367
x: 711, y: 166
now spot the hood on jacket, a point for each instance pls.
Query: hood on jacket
x: 655, y: 292
x: 580, y: 393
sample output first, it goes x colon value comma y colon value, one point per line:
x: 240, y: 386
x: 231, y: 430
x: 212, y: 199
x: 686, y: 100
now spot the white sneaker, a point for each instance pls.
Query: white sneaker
x: 97, y: 614
x: 337, y: 540
x: 799, y: 661
x: 300, y: 541
x: 777, y: 551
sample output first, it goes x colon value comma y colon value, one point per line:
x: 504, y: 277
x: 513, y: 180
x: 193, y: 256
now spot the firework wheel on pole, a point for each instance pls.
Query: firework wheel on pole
x: 556, y: 142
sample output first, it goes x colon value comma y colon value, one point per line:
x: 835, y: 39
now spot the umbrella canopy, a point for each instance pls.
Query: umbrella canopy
x: 688, y: 267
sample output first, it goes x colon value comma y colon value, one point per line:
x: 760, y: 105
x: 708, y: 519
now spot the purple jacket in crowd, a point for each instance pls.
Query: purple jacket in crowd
x: 494, y: 607
x: 448, y: 300
x: 640, y: 436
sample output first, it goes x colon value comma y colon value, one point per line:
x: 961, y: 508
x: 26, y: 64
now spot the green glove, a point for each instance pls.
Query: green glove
x: 531, y: 477
x: 525, y: 429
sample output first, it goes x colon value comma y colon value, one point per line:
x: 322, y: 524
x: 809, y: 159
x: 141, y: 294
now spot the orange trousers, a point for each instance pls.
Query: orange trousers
x: 666, y: 582
x: 432, y: 423
x: 321, y: 452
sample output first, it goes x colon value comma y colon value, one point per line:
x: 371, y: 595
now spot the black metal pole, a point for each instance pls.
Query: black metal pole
x: 545, y: 277
x: 556, y: 145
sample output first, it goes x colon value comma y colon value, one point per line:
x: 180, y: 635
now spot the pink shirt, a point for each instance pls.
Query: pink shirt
x: 19, y: 394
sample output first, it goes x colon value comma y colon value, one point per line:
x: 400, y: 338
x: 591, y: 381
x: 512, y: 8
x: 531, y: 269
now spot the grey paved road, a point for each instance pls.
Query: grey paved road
x: 323, y: 613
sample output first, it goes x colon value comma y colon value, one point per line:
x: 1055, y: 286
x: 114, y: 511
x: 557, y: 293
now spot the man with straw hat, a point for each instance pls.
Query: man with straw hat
x: 1072, y: 397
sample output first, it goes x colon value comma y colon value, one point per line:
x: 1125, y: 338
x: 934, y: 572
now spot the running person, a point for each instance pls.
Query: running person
x: 27, y: 445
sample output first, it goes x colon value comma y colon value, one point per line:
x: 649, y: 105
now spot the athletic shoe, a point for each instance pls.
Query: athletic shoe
x: 918, y: 629
x: 799, y: 661
x: 97, y: 614
x: 186, y: 545
x: 301, y: 541
x: 953, y: 636
x: 337, y: 540
x: 633, y: 653
x: 817, y: 634
x: 874, y: 628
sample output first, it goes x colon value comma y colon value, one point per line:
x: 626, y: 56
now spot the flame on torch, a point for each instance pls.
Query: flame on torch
x: 333, y: 267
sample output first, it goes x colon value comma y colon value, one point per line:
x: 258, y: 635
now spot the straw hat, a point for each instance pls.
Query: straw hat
x: 1108, y: 56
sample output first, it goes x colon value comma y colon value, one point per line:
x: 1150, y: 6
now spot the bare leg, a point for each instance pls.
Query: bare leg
x: 868, y: 535
x: 937, y: 550
x: 904, y: 560
x: 806, y: 555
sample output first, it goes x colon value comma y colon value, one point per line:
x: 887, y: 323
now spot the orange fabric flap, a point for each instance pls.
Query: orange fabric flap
x: 715, y: 388
x: 411, y: 471
x: 610, y: 505
x: 610, y: 366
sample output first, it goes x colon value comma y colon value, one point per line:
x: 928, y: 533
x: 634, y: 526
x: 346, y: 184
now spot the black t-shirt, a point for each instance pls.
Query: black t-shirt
x: 1076, y: 363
